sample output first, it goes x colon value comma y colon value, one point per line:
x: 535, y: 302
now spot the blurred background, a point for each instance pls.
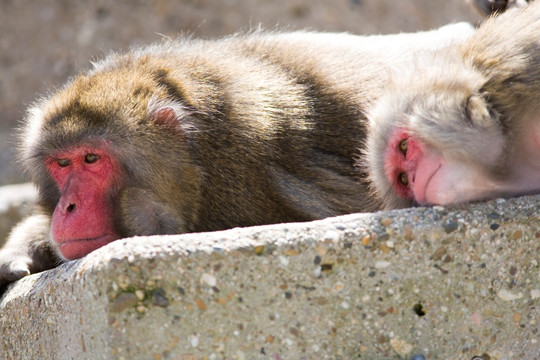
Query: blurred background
x: 43, y: 43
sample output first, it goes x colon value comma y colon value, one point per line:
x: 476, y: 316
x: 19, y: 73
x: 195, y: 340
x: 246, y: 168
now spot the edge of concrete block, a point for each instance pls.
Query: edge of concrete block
x: 447, y: 283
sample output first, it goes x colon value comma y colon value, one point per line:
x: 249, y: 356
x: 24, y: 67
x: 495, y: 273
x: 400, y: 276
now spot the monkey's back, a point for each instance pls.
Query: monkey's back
x: 270, y: 125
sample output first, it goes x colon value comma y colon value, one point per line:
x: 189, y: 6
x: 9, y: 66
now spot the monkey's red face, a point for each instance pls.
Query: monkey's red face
x: 410, y: 167
x: 420, y: 173
x: 88, y: 181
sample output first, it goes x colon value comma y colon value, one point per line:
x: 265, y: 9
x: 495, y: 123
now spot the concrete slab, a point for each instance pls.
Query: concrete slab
x: 442, y: 283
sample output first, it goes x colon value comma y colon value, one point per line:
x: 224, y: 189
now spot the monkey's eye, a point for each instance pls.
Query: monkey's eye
x: 91, y: 158
x: 63, y: 162
x: 403, y: 146
x: 403, y: 178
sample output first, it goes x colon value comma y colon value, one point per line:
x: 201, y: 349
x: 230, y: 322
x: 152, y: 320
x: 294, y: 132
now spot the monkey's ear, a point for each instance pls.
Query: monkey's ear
x: 165, y: 116
x: 478, y: 111
x: 170, y: 118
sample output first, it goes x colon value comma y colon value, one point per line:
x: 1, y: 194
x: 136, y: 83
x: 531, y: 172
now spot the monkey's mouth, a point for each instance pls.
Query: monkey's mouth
x: 73, y: 249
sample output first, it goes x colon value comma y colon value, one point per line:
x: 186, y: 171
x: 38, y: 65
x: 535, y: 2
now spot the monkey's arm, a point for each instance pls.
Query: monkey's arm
x: 28, y: 250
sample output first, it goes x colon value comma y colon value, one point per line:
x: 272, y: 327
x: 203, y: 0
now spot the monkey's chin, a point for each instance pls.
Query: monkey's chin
x: 73, y: 249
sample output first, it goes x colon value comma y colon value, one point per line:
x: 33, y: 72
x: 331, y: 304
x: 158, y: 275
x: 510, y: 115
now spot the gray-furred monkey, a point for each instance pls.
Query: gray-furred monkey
x: 194, y: 135
x: 464, y: 124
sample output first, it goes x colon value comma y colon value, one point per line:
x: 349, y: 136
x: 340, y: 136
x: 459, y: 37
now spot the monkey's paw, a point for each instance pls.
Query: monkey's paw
x: 13, y: 267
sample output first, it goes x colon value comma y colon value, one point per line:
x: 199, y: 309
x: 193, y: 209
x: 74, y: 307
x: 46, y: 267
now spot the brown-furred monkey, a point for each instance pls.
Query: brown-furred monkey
x: 463, y: 125
x: 195, y: 135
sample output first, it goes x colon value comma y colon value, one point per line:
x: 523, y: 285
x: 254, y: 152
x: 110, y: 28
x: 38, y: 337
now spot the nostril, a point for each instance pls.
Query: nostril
x: 70, y: 208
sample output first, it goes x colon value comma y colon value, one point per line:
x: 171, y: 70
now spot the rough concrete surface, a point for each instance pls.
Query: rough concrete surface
x: 444, y: 283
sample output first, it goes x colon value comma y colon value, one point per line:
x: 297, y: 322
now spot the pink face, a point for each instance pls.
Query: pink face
x: 411, y: 168
x: 88, y: 181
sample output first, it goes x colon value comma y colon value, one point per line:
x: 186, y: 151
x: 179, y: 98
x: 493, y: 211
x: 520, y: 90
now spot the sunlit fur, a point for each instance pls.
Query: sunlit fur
x: 469, y: 103
x: 204, y: 135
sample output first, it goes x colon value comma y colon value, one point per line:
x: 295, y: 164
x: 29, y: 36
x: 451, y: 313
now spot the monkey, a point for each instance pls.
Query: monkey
x: 464, y: 125
x: 490, y: 7
x: 193, y: 135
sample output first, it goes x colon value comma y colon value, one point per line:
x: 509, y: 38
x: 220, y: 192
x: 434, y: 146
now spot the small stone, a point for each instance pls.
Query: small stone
x: 123, y: 281
x: 418, y: 357
x: 439, y: 253
x: 401, y: 347
x: 270, y: 339
x: 508, y: 296
x: 450, y: 226
x: 140, y: 295
x: 494, y: 226
x: 386, y: 222
x: 200, y: 304
x: 194, y: 340
x: 331, y: 235
x: 340, y: 226
x: 517, y: 235
x: 209, y: 280
x: 292, y: 252
x: 221, y: 301
x: 258, y: 249
x: 366, y: 240
x: 535, y: 294
x: 408, y: 233
x: 124, y: 301
x: 159, y: 298
x: 382, y: 264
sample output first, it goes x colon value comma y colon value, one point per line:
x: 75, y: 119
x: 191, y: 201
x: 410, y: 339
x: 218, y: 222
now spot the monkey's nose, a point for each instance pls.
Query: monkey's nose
x: 70, y: 208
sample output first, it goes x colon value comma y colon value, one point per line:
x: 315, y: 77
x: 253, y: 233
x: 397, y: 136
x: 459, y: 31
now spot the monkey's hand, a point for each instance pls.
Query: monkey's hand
x: 28, y: 250
x: 13, y: 266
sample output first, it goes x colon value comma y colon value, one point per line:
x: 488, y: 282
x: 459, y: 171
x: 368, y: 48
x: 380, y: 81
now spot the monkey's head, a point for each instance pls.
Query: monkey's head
x: 434, y: 140
x: 102, y: 152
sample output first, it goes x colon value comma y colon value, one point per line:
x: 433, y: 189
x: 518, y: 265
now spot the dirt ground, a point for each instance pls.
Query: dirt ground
x: 43, y: 43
